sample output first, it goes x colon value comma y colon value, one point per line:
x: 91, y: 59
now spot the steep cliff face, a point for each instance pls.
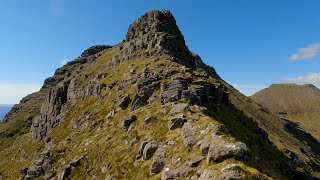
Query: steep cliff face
x: 148, y: 108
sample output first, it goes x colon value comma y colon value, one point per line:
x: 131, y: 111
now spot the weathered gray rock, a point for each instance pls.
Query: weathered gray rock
x: 195, y: 161
x: 177, y: 122
x: 127, y: 121
x: 173, y: 91
x: 189, y: 134
x: 143, y: 95
x: 206, y: 175
x: 182, y: 171
x: 220, y: 150
x: 231, y: 172
x: 148, y: 151
x: 178, y: 108
x: 141, y: 148
x: 158, y: 162
x: 204, y: 146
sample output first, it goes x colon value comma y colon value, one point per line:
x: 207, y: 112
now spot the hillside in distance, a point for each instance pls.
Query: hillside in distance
x: 298, y: 103
x: 147, y: 108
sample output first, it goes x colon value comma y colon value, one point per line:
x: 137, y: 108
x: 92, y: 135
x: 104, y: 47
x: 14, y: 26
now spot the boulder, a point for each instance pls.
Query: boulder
x: 204, y: 146
x: 195, y: 161
x: 189, y: 134
x: 141, y: 148
x: 157, y: 162
x: 206, y: 175
x: 182, y: 171
x: 177, y: 122
x: 178, y: 108
x: 148, y: 151
x: 220, y: 150
x: 127, y: 121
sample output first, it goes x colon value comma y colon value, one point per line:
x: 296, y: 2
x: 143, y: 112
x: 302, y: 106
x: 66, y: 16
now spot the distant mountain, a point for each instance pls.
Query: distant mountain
x: 298, y: 103
x: 4, y: 109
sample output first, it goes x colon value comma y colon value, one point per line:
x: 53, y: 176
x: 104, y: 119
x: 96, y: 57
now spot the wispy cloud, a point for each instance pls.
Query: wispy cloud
x: 56, y: 7
x: 12, y: 93
x: 64, y: 62
x: 248, y: 89
x: 313, y: 78
x: 308, y: 52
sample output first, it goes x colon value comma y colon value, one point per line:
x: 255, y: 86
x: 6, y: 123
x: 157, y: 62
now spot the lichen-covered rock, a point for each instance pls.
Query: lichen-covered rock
x: 178, y: 108
x: 189, y: 134
x: 148, y: 151
x: 220, y: 150
x: 206, y: 175
x: 141, y: 148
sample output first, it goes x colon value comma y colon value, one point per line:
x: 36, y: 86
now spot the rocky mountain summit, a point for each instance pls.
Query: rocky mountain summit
x: 147, y: 108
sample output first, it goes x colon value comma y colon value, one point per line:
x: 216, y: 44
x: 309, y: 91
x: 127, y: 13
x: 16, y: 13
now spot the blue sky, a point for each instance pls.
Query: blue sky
x: 250, y: 43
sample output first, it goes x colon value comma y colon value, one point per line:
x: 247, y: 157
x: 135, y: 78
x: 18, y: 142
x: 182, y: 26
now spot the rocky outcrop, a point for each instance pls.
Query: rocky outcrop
x: 94, y: 50
x: 40, y: 166
x: 220, y: 150
x: 189, y: 135
x: 52, y: 112
x: 146, y: 150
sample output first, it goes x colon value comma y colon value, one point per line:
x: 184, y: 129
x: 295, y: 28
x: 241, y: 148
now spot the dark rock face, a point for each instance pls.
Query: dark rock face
x: 52, y: 112
x: 149, y: 150
x: 94, y: 50
x: 177, y: 122
x: 157, y: 29
x: 158, y: 162
x: 127, y: 121
x: 124, y: 103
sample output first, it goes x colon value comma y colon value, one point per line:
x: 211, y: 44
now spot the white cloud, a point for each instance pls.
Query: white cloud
x: 248, y: 89
x: 313, y: 78
x: 64, y: 62
x: 308, y: 52
x: 11, y: 93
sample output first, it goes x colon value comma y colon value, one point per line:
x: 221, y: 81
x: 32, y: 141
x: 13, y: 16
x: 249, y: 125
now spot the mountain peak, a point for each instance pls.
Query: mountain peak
x: 156, y: 30
x: 153, y: 22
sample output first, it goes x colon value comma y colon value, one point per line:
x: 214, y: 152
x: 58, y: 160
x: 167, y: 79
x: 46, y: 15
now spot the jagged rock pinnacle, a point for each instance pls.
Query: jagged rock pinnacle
x: 156, y: 30
x: 153, y: 22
